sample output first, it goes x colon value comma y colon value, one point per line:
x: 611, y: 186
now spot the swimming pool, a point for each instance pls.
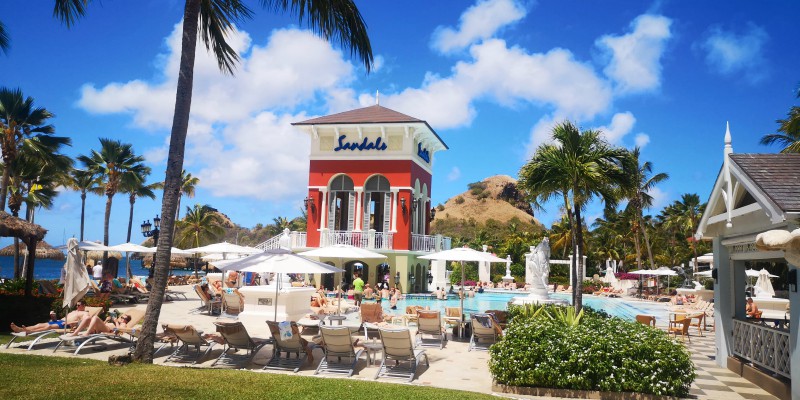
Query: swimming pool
x: 622, y: 308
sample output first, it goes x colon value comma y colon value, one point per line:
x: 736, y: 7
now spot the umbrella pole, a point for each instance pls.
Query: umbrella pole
x: 463, y: 275
x: 277, y: 282
x: 128, y: 264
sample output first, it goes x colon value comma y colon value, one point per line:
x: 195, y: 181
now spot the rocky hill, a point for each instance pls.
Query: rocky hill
x: 495, y: 198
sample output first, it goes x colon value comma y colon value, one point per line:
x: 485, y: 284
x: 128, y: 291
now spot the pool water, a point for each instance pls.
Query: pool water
x: 617, y: 307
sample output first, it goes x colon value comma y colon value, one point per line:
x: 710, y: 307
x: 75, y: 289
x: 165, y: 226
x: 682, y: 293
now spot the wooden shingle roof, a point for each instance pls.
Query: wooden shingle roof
x: 776, y: 175
x: 368, y: 115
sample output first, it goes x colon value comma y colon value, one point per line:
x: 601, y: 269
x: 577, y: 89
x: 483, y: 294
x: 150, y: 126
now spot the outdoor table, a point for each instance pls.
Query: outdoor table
x: 337, y: 318
x: 372, y: 349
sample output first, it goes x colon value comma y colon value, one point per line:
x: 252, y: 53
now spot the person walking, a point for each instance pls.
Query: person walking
x: 358, y: 290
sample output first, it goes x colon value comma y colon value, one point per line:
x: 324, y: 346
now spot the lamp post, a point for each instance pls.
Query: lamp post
x: 148, y: 232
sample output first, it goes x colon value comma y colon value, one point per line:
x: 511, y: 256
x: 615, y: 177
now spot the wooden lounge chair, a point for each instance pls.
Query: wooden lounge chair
x: 485, y: 330
x: 397, y: 351
x: 187, y: 337
x: 429, y: 323
x: 291, y: 345
x: 236, y: 337
x: 39, y: 336
x: 121, y: 335
x: 338, y: 346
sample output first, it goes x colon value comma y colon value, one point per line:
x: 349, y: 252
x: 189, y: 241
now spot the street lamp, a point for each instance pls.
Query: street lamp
x: 148, y: 232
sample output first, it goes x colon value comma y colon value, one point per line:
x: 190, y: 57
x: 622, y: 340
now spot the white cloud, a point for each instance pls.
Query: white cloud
x: 454, y: 174
x: 621, y: 125
x: 635, y: 58
x: 236, y: 120
x: 728, y: 53
x: 541, y: 133
x: 642, y: 139
x: 660, y: 198
x: 480, y: 21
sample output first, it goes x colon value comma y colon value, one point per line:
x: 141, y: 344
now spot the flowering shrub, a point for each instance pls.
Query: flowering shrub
x: 598, y: 353
x: 627, y: 276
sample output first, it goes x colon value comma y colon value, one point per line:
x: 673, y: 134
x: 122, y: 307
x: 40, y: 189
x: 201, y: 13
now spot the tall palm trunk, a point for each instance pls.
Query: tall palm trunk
x: 638, y: 248
x: 4, y: 187
x: 105, y: 230
x: 180, y: 126
x: 647, y: 243
x: 578, y: 293
x: 177, y: 215
x: 29, y: 268
x: 130, y: 225
x: 83, y: 211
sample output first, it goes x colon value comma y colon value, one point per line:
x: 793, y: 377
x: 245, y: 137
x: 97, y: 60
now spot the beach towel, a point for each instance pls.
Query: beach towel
x: 285, y: 328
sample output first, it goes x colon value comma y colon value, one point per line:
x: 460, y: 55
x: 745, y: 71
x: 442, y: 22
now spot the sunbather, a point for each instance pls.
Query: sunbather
x: 93, y: 325
x: 71, y: 318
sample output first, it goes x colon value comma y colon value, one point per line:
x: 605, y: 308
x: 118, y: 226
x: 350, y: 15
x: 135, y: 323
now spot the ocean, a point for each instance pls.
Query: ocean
x: 51, y: 269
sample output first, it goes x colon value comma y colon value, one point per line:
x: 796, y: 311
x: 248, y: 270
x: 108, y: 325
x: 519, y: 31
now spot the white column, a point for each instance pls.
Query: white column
x: 438, y: 270
x: 484, y: 274
x: 323, y: 209
x: 395, y: 210
x: 359, y: 201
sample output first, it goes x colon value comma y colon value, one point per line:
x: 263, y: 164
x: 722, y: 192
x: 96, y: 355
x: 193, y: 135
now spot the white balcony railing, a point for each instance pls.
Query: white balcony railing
x: 291, y: 239
x: 365, y: 240
x: 763, y: 346
x: 429, y: 243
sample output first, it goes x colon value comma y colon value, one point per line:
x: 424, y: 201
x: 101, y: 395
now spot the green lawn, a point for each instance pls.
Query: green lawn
x: 39, y: 377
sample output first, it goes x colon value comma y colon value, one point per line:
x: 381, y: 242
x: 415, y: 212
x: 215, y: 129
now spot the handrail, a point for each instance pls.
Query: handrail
x: 762, y: 345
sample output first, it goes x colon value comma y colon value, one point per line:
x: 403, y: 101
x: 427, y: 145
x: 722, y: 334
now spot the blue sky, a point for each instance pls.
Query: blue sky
x: 491, y: 77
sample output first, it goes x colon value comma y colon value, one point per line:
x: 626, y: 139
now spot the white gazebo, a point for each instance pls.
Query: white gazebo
x: 753, y: 194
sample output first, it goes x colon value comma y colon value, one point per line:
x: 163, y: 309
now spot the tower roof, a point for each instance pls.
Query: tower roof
x: 368, y: 115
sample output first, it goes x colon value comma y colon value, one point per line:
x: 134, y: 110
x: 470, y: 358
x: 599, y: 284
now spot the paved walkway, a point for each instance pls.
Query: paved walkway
x: 452, y: 367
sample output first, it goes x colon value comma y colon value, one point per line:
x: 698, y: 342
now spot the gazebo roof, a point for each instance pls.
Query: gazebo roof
x: 776, y: 175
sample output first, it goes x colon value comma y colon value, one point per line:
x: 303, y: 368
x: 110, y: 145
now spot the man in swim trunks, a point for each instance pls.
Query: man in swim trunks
x: 54, y: 322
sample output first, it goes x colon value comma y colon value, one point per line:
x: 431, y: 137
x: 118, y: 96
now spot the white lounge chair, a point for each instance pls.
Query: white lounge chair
x: 187, y: 336
x: 429, y: 323
x: 338, y: 347
x: 485, y: 332
x: 39, y: 336
x: 397, y: 350
x: 121, y: 335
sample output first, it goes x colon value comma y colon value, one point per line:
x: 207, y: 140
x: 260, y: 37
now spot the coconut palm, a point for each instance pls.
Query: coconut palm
x: 689, y: 210
x: 117, y: 167
x: 638, y: 194
x: 83, y: 181
x: 5, y: 43
x: 578, y: 166
x: 188, y: 184
x: 788, y: 131
x: 199, y: 227
x: 20, y: 120
x: 136, y: 188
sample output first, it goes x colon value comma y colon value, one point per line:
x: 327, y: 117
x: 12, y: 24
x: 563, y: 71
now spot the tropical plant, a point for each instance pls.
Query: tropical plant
x: 117, y: 167
x: 200, y: 226
x: 642, y: 181
x: 566, y: 316
x: 788, y: 134
x: 688, y: 213
x: 577, y: 167
x: 137, y: 188
x: 83, y: 181
x: 188, y: 185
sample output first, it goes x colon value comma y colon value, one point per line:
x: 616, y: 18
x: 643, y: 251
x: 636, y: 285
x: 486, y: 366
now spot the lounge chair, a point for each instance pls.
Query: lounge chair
x: 169, y: 295
x: 288, y: 345
x: 429, y: 323
x: 411, y: 313
x: 648, y: 320
x: 371, y: 313
x: 39, y: 336
x: 236, y: 337
x: 338, y: 346
x: 187, y: 337
x: 206, y: 303
x: 232, y: 303
x: 397, y: 350
x: 120, y: 335
x: 485, y: 330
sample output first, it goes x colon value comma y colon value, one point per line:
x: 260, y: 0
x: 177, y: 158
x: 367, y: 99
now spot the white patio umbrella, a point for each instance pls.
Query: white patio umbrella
x: 462, y: 254
x: 704, y: 274
x: 707, y: 258
x: 85, y: 245
x: 342, y: 252
x: 279, y: 261
x: 76, y: 278
x: 764, y: 285
x: 224, y: 248
x: 664, y: 271
x: 130, y: 248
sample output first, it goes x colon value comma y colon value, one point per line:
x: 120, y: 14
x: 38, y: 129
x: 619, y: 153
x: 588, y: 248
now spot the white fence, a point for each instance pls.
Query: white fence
x: 763, y: 346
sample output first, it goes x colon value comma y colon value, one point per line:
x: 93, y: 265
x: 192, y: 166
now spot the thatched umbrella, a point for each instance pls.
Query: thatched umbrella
x: 30, y: 234
x: 175, y: 261
x: 43, y: 250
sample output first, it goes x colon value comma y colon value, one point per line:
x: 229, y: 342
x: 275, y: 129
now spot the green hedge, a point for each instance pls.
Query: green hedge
x: 599, y: 353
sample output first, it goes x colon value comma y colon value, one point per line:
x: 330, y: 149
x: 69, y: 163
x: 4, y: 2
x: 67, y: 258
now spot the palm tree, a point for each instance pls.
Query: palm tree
x: 136, y: 188
x: 689, y: 212
x: 5, y: 42
x: 213, y: 20
x: 578, y: 166
x: 83, y: 181
x: 638, y: 194
x: 65, y: 10
x: 200, y: 226
x: 19, y: 121
x: 117, y: 167
x: 188, y: 184
x: 788, y: 131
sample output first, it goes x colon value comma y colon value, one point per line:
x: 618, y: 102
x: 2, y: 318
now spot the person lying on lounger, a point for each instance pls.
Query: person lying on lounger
x: 93, y: 325
x: 54, y: 323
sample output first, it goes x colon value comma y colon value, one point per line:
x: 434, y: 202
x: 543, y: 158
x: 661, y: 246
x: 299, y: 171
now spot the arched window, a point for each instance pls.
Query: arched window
x: 377, y: 204
x: 342, y: 203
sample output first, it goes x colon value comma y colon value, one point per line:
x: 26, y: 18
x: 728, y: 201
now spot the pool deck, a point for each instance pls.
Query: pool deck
x: 452, y: 367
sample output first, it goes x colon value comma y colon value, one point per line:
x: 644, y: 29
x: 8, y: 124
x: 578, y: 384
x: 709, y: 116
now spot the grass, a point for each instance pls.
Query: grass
x: 40, y: 377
